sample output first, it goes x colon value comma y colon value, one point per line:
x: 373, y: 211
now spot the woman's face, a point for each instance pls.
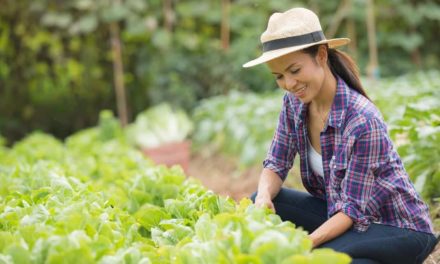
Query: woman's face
x: 300, y: 74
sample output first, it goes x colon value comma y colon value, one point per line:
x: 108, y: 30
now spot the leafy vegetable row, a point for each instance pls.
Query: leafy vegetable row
x: 94, y: 199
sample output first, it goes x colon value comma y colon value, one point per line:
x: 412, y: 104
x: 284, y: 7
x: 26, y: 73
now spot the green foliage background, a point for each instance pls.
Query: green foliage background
x: 56, y: 69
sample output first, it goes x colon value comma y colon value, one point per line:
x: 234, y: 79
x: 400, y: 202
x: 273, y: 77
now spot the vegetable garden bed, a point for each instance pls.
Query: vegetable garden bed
x: 94, y: 201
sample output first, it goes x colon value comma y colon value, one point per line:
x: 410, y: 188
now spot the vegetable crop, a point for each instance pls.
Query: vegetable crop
x: 238, y: 124
x: 411, y: 107
x: 94, y: 199
x: 159, y: 125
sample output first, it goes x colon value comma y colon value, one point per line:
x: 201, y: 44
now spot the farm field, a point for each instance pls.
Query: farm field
x: 95, y: 198
x: 131, y: 133
x: 100, y: 201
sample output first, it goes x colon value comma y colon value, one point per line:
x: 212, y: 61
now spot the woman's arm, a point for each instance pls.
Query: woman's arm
x: 268, y: 187
x: 333, y: 227
x: 279, y: 158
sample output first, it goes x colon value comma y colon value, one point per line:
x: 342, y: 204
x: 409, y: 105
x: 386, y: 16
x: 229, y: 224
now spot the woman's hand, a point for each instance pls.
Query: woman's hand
x: 268, y: 187
x: 264, y: 200
x: 315, y: 242
x: 333, y: 227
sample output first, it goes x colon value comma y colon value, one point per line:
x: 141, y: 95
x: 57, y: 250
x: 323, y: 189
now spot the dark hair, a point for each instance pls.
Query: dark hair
x: 341, y: 64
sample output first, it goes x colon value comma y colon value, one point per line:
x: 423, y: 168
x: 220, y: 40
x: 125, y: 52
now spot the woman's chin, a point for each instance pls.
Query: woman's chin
x: 304, y: 99
x: 303, y: 96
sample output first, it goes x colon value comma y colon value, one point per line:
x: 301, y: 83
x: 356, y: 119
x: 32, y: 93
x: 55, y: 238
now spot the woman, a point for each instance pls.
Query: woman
x: 360, y: 200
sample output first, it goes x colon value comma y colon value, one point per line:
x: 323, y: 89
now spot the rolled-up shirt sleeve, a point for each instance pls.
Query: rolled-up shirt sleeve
x: 357, y: 176
x: 282, y: 151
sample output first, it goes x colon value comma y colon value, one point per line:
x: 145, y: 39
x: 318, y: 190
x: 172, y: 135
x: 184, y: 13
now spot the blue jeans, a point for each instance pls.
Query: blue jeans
x: 379, y: 244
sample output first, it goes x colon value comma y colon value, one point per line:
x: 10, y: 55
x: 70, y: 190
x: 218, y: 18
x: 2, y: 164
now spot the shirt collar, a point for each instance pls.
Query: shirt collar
x: 340, y: 104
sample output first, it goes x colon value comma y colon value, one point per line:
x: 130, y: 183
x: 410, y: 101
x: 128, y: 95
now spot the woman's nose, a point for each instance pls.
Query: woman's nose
x: 290, y: 83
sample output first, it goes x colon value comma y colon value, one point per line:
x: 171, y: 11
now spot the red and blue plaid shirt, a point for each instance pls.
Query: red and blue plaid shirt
x: 363, y: 175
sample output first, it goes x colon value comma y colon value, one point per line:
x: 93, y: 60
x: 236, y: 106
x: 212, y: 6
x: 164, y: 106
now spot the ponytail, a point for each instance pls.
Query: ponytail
x: 343, y: 66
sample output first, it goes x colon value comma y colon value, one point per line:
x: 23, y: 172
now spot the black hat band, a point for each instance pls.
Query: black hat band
x: 293, y: 41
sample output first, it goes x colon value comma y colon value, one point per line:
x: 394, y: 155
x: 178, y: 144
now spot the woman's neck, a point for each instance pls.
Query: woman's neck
x: 324, y: 100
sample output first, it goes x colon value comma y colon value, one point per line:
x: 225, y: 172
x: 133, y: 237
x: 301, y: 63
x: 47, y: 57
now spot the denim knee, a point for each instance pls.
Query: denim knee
x: 253, y: 196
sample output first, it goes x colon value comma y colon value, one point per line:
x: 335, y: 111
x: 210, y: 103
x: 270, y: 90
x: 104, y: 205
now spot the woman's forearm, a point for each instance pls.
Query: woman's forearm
x: 332, y: 228
x: 269, y: 184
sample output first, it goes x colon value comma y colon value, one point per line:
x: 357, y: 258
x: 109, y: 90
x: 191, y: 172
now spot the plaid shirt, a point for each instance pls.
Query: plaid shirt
x: 363, y: 175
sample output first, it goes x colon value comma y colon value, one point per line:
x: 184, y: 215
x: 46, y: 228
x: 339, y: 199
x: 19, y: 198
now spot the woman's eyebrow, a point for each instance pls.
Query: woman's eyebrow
x: 287, y: 68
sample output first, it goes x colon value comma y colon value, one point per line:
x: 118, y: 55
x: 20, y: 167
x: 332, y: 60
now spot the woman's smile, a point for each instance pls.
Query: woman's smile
x: 301, y: 92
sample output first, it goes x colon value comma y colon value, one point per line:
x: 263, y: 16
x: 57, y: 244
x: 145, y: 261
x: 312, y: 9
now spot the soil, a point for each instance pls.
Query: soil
x: 223, y: 176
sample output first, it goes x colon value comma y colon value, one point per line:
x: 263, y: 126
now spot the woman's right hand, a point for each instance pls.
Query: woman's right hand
x: 263, y: 200
x: 268, y: 187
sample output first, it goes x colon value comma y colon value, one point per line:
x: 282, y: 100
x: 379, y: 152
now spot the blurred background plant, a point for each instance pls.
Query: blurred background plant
x: 62, y: 62
x: 411, y: 105
x: 57, y: 58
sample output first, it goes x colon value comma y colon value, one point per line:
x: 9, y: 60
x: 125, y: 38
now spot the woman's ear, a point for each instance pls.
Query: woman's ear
x: 322, y: 55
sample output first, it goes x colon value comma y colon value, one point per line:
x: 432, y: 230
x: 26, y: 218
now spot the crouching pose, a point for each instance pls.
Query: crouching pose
x: 359, y: 198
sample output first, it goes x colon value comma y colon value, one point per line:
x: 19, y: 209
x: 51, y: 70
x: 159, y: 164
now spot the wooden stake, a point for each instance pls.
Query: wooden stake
x: 351, y: 33
x: 341, y: 13
x: 225, y: 29
x: 118, y: 72
x: 416, y: 58
x: 373, y: 68
x: 168, y: 15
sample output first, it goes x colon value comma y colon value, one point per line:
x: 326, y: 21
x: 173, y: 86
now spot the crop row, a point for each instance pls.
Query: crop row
x: 95, y: 199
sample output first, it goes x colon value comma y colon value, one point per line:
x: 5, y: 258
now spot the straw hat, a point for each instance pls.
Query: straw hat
x: 293, y: 30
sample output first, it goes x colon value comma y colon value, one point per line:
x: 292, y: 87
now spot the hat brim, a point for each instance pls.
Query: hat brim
x: 273, y: 54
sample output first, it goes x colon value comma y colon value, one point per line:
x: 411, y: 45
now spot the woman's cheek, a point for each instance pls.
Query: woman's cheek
x: 281, y: 84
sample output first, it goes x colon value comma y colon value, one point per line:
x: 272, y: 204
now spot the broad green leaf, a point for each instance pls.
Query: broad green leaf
x: 150, y: 215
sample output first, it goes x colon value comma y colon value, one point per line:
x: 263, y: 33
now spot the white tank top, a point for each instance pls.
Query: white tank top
x: 315, y: 160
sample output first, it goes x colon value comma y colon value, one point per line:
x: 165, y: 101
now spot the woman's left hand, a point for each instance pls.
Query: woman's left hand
x: 333, y: 227
x: 314, y: 241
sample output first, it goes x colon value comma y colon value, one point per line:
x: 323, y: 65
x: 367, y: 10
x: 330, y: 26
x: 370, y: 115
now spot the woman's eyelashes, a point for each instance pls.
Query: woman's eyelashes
x: 293, y: 71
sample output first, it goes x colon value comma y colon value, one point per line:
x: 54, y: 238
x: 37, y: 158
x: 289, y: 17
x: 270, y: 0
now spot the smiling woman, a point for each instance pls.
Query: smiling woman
x: 363, y: 192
